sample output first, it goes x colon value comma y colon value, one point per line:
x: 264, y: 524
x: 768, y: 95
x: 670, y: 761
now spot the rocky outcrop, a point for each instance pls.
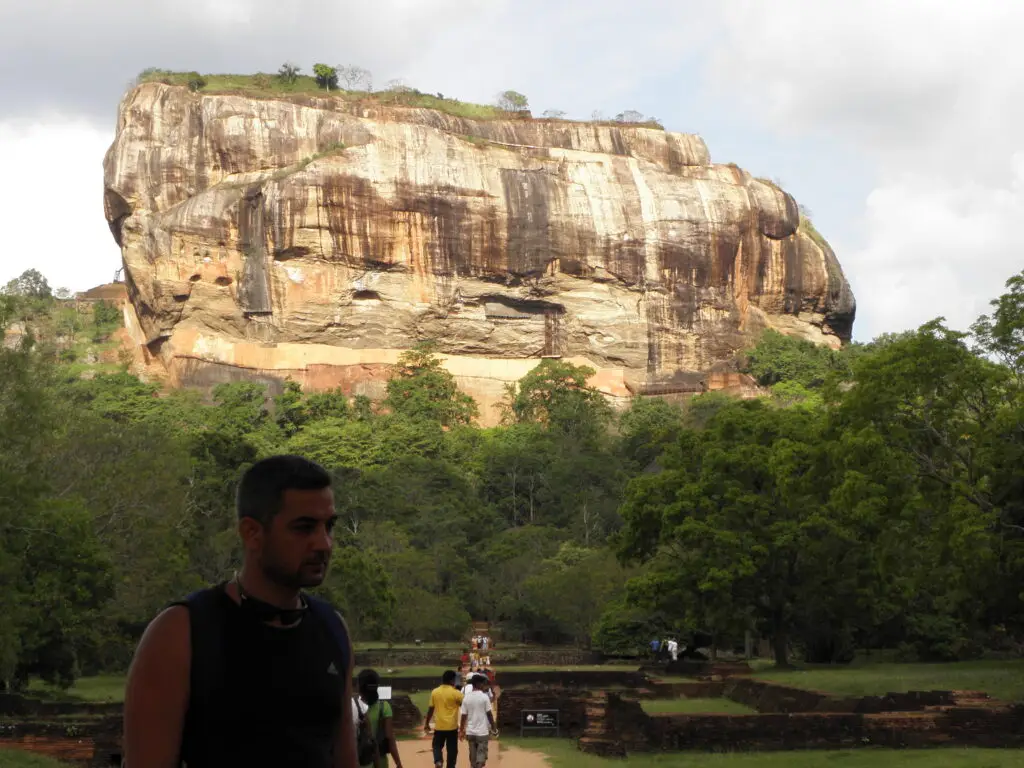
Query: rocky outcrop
x: 317, y: 238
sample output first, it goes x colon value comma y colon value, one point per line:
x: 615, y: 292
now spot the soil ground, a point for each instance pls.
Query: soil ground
x: 416, y: 753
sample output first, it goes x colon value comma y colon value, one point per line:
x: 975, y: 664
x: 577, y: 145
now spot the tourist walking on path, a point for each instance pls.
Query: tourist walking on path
x: 477, y: 723
x: 252, y: 671
x: 445, y: 705
x: 379, y: 716
x: 673, y: 648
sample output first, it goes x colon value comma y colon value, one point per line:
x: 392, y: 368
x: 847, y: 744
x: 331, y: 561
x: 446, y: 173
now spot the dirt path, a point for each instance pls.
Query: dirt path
x: 416, y: 754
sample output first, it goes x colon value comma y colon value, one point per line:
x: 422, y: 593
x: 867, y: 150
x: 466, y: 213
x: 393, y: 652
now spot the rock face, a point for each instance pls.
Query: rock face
x: 317, y: 238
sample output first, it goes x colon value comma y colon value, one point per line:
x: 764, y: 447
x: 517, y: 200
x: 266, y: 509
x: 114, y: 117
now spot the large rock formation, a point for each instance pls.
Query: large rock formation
x: 317, y: 238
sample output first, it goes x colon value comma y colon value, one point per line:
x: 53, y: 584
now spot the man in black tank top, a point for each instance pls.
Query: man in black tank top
x: 252, y: 672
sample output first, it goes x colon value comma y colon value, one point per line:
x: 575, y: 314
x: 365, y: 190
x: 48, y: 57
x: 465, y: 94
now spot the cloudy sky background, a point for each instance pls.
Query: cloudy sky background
x: 898, y: 123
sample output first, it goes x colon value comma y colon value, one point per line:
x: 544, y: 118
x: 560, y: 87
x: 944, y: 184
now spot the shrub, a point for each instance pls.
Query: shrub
x: 513, y: 101
x: 326, y: 76
x: 288, y: 73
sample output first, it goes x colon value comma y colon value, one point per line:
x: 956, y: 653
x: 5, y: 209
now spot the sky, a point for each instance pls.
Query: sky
x: 898, y: 123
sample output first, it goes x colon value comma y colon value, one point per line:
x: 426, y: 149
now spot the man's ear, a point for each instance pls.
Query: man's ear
x: 251, y: 532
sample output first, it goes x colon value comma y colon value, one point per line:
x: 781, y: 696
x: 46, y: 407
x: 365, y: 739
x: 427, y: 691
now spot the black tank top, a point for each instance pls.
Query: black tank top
x: 275, y: 699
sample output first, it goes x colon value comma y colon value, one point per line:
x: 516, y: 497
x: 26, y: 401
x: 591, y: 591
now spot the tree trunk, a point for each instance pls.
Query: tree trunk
x: 780, y: 643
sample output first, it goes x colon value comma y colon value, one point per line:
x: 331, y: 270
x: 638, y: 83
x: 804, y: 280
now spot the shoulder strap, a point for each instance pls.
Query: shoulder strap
x: 324, y: 611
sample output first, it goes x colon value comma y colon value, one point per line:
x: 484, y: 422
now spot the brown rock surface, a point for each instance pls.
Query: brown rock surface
x: 317, y: 238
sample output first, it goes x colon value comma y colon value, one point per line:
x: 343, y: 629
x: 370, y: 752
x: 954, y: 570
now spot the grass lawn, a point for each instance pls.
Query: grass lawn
x: 15, y: 758
x: 564, y: 754
x: 421, y: 699
x: 720, y: 706
x: 406, y: 671
x: 100, y: 688
x: 1000, y: 679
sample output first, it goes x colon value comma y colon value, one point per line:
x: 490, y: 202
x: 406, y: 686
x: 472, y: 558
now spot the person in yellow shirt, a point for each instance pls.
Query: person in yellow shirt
x: 445, y: 706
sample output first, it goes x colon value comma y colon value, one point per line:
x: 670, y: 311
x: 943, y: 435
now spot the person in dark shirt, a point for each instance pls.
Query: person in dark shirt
x: 252, y: 671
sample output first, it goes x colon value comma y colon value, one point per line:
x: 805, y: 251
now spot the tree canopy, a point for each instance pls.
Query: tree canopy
x: 874, y: 498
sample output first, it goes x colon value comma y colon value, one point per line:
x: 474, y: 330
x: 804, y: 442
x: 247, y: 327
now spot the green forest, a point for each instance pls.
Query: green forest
x: 873, y: 498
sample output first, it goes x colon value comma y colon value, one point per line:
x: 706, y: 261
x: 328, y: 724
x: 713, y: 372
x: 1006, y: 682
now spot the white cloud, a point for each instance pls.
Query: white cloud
x: 52, y: 199
x: 933, y: 94
x: 79, y: 56
x: 937, y: 248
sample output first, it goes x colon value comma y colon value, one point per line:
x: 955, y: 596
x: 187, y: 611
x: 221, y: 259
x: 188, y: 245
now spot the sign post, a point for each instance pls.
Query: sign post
x: 533, y: 720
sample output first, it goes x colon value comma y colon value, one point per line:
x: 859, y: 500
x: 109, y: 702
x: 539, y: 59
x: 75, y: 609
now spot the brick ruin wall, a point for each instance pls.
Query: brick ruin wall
x: 534, y: 657
x: 788, y: 718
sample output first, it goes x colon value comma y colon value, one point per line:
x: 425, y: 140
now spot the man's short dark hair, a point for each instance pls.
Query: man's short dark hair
x: 264, y: 483
x: 448, y: 678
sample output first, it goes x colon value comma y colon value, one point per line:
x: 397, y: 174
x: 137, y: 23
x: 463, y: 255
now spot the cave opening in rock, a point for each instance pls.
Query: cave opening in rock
x: 366, y: 296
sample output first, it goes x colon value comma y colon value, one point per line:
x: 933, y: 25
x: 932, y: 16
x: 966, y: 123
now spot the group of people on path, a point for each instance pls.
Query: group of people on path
x: 461, y: 715
x: 661, y: 649
x: 255, y: 671
x: 474, y: 713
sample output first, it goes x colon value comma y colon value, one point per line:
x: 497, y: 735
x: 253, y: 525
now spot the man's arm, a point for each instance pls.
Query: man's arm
x: 345, y: 755
x: 157, y: 691
x: 389, y: 731
x: 430, y: 714
x: 462, y: 725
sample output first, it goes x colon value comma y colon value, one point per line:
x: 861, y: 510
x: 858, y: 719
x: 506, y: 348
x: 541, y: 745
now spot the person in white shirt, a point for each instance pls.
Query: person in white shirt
x: 473, y: 684
x: 673, y: 648
x: 477, y: 722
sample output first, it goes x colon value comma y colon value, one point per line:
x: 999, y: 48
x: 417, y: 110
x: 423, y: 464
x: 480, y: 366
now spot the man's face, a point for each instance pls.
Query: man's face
x: 296, y: 548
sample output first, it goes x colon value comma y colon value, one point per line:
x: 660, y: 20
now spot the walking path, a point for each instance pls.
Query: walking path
x: 416, y: 754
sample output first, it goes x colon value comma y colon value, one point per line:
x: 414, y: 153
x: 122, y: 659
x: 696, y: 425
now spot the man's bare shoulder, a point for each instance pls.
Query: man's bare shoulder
x: 168, y: 633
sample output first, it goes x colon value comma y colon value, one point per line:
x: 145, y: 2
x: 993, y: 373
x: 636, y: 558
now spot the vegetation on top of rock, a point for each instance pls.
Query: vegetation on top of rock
x: 513, y: 101
x: 30, y: 284
x: 326, y: 76
x: 354, y: 83
x: 807, y: 227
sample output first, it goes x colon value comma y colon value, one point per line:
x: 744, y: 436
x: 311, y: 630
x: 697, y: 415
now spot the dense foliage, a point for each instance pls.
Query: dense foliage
x: 874, y: 498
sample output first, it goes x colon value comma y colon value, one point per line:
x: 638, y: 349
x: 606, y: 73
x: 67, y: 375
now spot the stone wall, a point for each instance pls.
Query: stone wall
x: 571, y: 708
x: 87, y: 742
x: 701, y: 669
x: 772, y: 698
x: 591, y: 679
x: 407, y: 716
x: 534, y: 657
x: 26, y: 706
x: 383, y: 659
x: 698, y: 689
x: 960, y: 726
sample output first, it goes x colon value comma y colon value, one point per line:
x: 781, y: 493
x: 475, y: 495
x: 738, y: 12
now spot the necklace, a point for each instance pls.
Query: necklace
x: 264, y: 611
